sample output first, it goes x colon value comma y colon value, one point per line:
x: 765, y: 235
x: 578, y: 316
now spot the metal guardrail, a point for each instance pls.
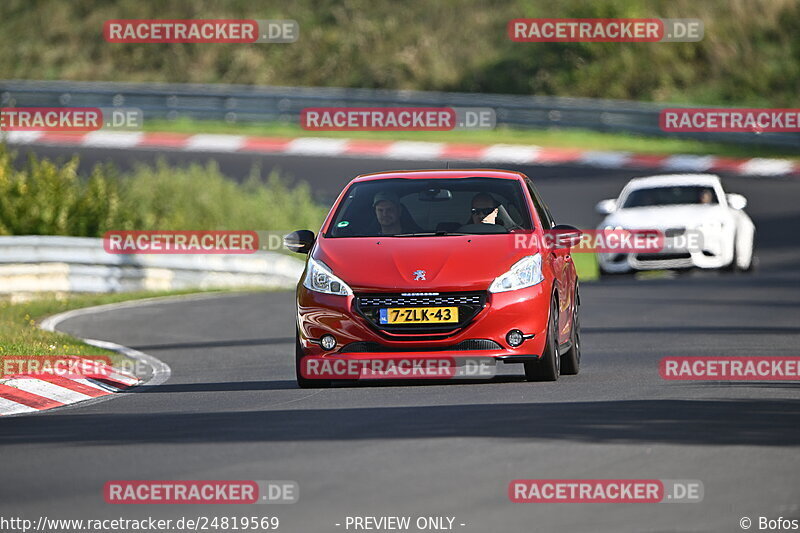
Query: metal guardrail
x: 245, y: 103
x: 77, y: 264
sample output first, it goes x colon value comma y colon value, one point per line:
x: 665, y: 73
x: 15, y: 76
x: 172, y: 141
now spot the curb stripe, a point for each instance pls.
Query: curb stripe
x: 117, y: 139
x: 264, y: 144
x: 367, y: 147
x: 61, y: 138
x: 9, y: 407
x: 463, y: 151
x: 412, y: 150
x: 558, y: 155
x: 316, y: 146
x: 512, y: 153
x: 214, y: 143
x: 74, y: 385
x: 48, y: 390
x: 26, y: 398
x: 645, y: 161
x: 165, y: 140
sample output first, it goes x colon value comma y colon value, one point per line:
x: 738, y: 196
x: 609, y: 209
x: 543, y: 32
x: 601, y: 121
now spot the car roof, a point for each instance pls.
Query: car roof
x: 443, y: 174
x: 665, y: 180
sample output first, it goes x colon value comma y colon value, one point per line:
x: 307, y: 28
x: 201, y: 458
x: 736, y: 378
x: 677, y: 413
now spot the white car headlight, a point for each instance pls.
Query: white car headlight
x: 526, y: 272
x: 319, y: 278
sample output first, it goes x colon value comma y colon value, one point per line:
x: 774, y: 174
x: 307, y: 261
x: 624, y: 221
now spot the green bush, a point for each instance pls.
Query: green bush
x: 45, y: 198
x: 748, y: 55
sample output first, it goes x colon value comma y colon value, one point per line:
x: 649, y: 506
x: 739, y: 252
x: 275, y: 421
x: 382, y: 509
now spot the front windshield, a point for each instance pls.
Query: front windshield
x: 694, y: 194
x: 415, y: 207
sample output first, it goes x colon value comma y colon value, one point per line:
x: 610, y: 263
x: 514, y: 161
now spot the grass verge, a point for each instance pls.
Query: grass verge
x: 20, y: 334
x: 586, y: 265
x: 552, y: 138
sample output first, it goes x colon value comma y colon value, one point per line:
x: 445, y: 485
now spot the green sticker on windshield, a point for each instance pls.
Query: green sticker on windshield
x: 342, y: 224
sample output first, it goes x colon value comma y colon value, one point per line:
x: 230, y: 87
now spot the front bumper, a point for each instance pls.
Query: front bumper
x: 483, y: 336
x: 714, y: 250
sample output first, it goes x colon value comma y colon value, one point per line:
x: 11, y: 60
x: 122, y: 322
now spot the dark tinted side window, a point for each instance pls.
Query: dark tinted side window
x: 541, y: 207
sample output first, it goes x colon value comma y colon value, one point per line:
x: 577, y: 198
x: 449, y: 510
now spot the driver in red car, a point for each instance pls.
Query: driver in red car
x: 484, y: 209
x: 391, y: 216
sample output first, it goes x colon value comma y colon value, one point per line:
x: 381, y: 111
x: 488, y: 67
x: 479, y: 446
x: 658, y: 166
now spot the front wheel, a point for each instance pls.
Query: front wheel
x: 571, y: 360
x: 305, y: 383
x: 605, y: 274
x: 743, y: 255
x: 548, y: 367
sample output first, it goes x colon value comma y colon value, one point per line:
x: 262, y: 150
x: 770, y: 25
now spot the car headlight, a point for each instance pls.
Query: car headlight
x: 319, y: 278
x: 526, y: 272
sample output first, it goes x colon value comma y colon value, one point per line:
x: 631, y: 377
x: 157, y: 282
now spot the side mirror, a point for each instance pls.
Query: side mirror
x: 566, y: 236
x: 606, y: 207
x: 736, y: 201
x: 299, y: 241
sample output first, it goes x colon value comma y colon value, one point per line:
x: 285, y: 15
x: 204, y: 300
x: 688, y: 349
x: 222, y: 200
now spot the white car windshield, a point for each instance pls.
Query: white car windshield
x: 655, y: 196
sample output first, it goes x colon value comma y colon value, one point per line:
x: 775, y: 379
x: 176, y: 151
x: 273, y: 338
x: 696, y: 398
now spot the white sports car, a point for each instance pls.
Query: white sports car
x: 703, y: 226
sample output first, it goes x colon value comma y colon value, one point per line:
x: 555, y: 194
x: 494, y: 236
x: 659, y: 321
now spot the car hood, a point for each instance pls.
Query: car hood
x: 665, y: 217
x: 389, y: 264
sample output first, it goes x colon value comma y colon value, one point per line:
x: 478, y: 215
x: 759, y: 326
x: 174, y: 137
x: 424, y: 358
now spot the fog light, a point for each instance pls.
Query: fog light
x: 328, y: 342
x: 515, y: 338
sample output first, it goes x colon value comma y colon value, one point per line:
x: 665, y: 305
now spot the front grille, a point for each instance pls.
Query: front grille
x: 398, y: 300
x: 469, y: 305
x: 663, y: 257
x: 463, y: 346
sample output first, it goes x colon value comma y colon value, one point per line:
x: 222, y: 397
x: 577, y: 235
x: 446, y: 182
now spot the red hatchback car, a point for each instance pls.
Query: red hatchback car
x: 439, y: 262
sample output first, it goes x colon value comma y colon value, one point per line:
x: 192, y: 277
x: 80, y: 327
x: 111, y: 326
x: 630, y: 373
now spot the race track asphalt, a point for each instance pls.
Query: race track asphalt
x: 231, y: 409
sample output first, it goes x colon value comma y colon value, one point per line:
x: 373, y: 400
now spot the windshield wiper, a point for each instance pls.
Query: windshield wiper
x: 429, y: 234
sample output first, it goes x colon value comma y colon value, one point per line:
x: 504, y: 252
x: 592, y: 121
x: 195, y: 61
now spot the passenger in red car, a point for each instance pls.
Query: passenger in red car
x: 484, y: 209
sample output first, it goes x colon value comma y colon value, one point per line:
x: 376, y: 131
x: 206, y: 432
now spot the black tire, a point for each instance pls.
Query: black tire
x: 547, y: 368
x: 753, y: 260
x: 571, y: 360
x: 305, y: 383
x: 732, y: 267
x: 604, y: 274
